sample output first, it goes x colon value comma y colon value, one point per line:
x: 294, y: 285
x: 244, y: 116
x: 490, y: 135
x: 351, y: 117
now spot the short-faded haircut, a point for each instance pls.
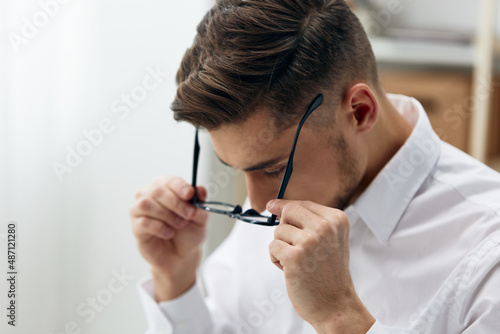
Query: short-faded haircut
x: 273, y: 54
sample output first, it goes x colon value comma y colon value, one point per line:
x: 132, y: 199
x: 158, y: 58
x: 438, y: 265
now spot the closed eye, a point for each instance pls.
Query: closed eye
x: 274, y: 174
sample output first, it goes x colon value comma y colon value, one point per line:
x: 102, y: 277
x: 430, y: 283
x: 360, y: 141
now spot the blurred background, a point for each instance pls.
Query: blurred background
x: 85, y: 89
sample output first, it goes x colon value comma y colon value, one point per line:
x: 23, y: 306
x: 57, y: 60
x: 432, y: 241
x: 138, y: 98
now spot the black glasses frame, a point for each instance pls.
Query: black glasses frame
x: 235, y: 211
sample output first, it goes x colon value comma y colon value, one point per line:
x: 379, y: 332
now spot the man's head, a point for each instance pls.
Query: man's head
x: 272, y: 54
x: 254, y: 67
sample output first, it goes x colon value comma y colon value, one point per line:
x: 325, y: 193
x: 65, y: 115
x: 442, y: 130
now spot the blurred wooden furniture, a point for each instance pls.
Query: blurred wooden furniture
x: 457, y: 81
x: 447, y: 98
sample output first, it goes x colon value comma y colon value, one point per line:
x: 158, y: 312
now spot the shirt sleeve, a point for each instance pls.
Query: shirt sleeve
x: 187, y: 314
x: 479, y: 307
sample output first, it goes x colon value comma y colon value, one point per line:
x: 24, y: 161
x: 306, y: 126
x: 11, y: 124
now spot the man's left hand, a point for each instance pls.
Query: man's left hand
x: 311, y: 246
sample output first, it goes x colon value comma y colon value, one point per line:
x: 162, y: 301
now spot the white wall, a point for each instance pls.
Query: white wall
x: 75, y: 232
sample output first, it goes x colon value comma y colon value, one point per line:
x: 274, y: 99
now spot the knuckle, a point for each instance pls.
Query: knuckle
x: 284, y: 212
x: 299, y: 255
x: 288, y: 208
x: 175, y: 182
x: 325, y: 226
x: 144, y: 223
x: 157, y: 192
x: 342, y: 221
x: 175, y: 204
x: 284, y: 257
x: 341, y: 216
x: 323, y: 222
x: 273, y: 246
x: 310, y: 242
x: 144, y: 204
x: 278, y: 231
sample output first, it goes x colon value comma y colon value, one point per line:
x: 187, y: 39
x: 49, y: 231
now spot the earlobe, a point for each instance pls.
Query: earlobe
x: 363, y: 106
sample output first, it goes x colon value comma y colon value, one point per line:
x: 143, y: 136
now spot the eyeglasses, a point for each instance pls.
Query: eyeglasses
x: 235, y: 211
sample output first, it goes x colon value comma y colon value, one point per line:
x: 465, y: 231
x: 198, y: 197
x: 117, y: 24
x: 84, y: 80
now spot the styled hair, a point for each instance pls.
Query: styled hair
x: 272, y: 54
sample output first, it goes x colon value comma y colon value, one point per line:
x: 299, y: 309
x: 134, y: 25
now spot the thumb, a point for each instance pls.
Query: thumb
x: 201, y: 191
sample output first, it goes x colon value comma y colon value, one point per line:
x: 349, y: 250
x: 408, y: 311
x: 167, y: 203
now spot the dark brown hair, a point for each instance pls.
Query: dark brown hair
x: 273, y: 54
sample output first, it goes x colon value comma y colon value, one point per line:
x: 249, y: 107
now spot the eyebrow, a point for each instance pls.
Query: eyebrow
x: 259, y: 166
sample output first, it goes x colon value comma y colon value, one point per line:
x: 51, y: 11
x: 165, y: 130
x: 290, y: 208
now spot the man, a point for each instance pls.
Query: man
x: 382, y: 228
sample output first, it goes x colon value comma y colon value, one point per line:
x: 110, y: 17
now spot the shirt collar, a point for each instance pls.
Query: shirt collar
x: 384, y: 201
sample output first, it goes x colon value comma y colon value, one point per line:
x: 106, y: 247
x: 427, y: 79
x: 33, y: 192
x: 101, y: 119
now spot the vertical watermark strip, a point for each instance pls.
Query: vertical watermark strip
x: 12, y: 272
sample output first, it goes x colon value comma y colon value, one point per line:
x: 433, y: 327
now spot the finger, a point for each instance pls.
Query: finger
x: 279, y: 252
x: 171, y: 195
x: 140, y: 192
x: 184, y: 209
x: 331, y: 219
x: 294, y: 214
x: 275, y: 206
x: 170, y: 200
x: 202, y: 193
x: 323, y: 215
x: 181, y: 188
x: 287, y: 233
x: 147, y: 206
x: 145, y: 227
x: 321, y: 210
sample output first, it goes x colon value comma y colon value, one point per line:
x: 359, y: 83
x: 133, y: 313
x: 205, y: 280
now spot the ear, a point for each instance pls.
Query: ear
x: 361, y: 104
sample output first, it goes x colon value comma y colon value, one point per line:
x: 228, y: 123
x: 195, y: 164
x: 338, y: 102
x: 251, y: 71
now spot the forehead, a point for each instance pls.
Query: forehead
x: 252, y: 141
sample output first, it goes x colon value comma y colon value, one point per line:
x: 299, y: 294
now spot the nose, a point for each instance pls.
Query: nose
x: 258, y: 193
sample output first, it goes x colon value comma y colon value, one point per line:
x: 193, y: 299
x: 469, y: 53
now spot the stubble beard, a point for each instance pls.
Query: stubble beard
x: 349, y: 174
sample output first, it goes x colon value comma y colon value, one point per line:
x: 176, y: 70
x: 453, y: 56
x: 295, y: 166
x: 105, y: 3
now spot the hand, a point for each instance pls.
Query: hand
x: 311, y: 246
x: 169, y: 232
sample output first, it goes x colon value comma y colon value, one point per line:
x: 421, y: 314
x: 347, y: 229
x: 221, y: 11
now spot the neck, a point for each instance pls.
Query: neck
x: 382, y: 143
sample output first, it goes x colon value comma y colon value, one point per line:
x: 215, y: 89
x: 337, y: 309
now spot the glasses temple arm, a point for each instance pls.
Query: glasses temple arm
x: 289, y: 166
x: 195, y: 166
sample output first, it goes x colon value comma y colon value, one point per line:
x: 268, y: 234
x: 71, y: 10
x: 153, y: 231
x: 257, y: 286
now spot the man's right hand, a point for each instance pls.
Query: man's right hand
x: 169, y: 232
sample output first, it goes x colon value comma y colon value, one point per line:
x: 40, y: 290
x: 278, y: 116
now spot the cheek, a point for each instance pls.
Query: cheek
x: 317, y: 183
x: 315, y: 177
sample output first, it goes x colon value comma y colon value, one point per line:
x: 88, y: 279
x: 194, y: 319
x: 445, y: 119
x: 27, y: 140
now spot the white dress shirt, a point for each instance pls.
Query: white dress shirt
x: 425, y: 254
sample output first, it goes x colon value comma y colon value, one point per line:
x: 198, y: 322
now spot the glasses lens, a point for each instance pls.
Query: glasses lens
x: 258, y: 219
x: 217, y: 207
